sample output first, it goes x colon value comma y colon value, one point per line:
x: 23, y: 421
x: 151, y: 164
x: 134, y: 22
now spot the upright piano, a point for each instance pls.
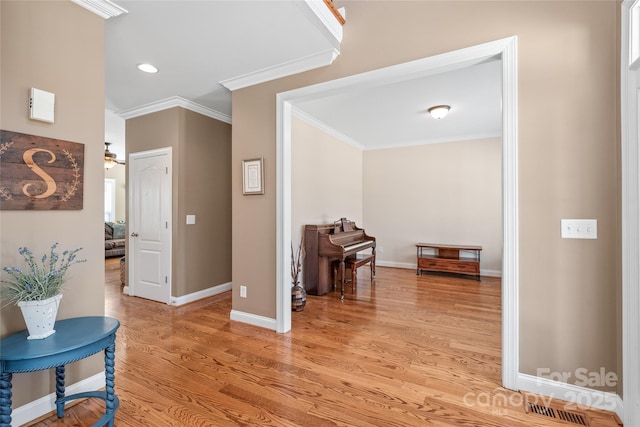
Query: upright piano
x: 326, y: 243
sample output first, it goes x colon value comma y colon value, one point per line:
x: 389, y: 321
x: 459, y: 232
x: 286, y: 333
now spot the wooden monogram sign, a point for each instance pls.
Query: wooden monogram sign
x: 40, y: 173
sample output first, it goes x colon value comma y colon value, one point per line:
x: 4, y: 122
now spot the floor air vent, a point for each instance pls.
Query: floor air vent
x: 572, y: 417
x: 557, y: 413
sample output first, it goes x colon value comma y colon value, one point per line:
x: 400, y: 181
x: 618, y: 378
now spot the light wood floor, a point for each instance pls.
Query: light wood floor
x: 406, y: 351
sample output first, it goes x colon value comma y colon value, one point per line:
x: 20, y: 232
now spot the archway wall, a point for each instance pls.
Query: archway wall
x: 568, y: 160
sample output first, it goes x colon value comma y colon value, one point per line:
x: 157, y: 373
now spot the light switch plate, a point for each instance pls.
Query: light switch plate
x: 579, y: 228
x: 191, y: 219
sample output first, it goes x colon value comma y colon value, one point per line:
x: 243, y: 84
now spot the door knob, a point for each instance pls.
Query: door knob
x: 134, y: 234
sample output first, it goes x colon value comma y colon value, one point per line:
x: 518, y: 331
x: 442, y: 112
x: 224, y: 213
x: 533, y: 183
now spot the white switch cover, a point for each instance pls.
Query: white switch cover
x: 191, y: 219
x: 579, y: 228
x: 41, y: 105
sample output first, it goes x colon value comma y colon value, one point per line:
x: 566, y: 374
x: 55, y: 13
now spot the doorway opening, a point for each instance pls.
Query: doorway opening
x: 109, y: 199
x: 505, y: 50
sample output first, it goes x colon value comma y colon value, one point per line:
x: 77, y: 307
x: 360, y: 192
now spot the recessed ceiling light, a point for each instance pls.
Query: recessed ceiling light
x: 147, y: 68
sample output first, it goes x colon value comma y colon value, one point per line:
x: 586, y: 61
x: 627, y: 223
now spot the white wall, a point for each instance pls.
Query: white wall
x: 326, y: 179
x: 440, y: 193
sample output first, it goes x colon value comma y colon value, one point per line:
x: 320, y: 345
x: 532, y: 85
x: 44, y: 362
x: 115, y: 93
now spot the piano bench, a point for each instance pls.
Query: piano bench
x: 353, y: 263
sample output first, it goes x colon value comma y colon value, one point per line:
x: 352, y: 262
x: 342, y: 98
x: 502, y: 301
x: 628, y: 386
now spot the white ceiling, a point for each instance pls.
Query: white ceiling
x: 196, y: 45
x: 395, y: 114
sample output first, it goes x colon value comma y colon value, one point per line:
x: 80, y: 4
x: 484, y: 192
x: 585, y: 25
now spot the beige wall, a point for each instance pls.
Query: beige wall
x: 326, y: 179
x: 68, y: 60
x: 149, y: 132
x: 437, y: 193
x: 119, y: 173
x: 568, y: 163
x: 205, y: 191
x: 201, y: 186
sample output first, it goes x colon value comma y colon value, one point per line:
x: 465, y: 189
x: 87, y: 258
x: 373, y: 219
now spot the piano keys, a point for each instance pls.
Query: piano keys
x: 327, y: 243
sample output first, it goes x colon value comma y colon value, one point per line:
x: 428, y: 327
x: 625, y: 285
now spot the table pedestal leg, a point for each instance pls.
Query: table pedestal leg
x: 60, y: 391
x: 109, y: 369
x: 5, y: 399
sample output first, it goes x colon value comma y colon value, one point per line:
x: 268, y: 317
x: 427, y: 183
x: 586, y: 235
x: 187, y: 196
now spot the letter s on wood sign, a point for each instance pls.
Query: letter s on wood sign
x: 51, y: 183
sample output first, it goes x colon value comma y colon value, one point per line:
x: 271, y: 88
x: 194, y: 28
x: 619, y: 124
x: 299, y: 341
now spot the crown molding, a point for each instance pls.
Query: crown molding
x: 322, y: 18
x: 175, y: 101
x: 103, y: 8
x: 320, y: 14
x: 325, y: 128
x: 455, y: 138
x: 307, y: 118
x: 296, y: 66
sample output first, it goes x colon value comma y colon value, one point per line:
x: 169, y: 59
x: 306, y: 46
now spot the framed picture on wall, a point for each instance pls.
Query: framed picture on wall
x: 38, y: 173
x: 252, y: 176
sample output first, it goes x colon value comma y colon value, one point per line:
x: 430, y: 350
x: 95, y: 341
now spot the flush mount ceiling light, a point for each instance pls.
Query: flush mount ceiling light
x: 147, y: 68
x: 439, y: 111
x: 109, y: 157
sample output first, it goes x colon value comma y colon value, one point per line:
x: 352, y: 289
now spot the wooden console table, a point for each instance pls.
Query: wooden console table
x: 74, y: 339
x: 447, y: 259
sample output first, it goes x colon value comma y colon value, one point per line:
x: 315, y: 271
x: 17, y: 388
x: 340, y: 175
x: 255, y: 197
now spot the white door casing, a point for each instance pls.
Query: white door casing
x: 630, y: 161
x: 149, y: 240
x: 506, y: 50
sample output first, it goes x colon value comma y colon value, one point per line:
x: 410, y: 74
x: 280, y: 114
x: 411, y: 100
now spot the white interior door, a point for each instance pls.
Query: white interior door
x: 150, y: 224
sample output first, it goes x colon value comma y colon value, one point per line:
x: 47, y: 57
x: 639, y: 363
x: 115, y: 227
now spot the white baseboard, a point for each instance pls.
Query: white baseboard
x: 47, y: 404
x: 195, y: 296
x: 581, y: 396
x: 411, y: 266
x: 491, y: 273
x: 394, y: 264
x: 253, y: 319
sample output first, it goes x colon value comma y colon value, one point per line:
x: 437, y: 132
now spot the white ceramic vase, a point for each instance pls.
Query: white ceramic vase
x: 40, y: 316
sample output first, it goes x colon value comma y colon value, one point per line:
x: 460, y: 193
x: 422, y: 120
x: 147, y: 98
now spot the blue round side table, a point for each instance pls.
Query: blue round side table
x: 74, y: 339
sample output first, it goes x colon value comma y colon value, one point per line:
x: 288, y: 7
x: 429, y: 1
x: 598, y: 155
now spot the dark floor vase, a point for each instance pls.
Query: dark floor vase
x: 298, y: 298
